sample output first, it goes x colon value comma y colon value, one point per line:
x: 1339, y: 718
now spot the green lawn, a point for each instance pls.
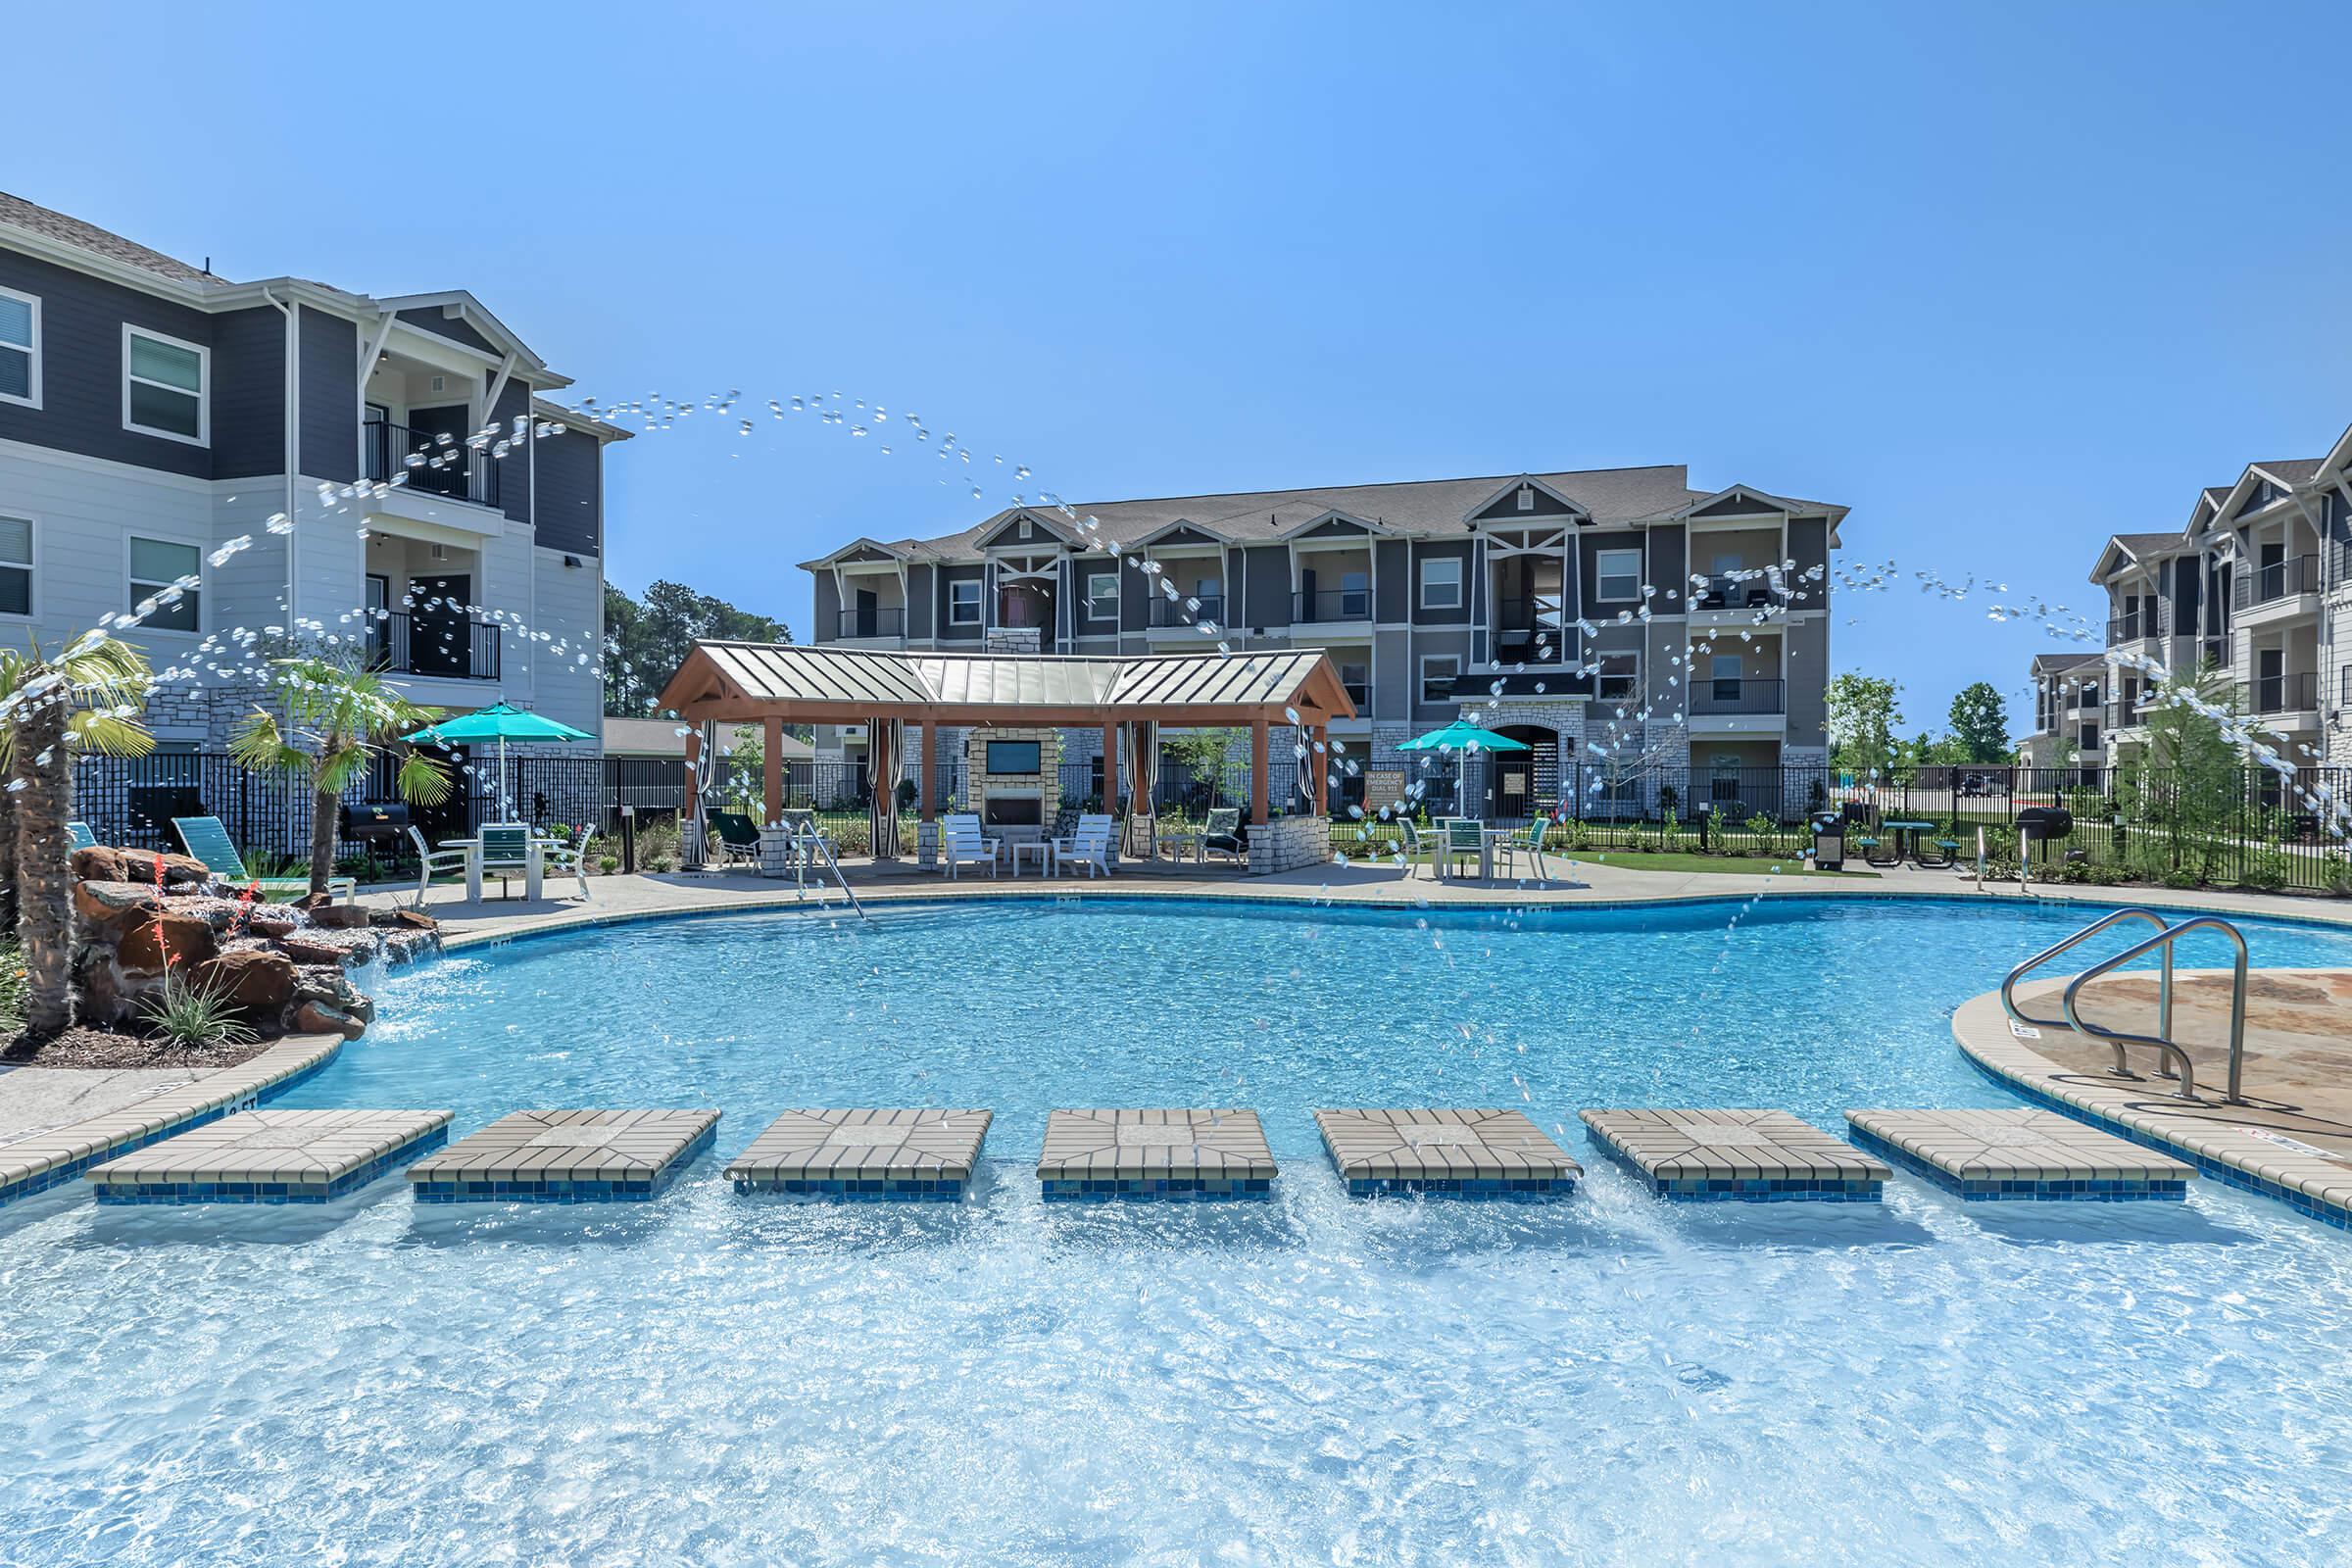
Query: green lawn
x: 1725, y: 864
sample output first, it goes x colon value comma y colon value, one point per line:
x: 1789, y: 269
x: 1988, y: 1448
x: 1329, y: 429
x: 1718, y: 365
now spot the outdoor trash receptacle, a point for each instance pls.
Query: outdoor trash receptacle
x: 1828, y: 840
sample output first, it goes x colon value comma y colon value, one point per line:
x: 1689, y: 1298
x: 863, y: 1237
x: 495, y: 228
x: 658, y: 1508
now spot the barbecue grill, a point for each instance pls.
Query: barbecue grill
x: 377, y: 824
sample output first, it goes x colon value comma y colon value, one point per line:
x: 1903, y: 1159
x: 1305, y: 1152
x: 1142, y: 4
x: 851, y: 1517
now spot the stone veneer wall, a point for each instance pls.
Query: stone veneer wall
x: 1045, y: 783
x: 1287, y: 843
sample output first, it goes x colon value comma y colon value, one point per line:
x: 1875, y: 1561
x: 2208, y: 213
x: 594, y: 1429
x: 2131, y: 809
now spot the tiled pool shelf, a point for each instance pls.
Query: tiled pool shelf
x: 272, y: 1157
x: 2018, y: 1154
x: 1183, y: 1155
x: 44, y: 1159
x: 566, y: 1157
x: 1752, y: 1156
x: 1492, y: 1154
x: 898, y: 1155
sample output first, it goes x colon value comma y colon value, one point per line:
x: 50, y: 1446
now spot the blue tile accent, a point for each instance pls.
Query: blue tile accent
x: 116, y: 1192
x: 1528, y: 1190
x: 565, y: 1192
x: 1754, y: 1191
x: 2093, y: 1191
x: 1160, y: 1189
x: 882, y: 1191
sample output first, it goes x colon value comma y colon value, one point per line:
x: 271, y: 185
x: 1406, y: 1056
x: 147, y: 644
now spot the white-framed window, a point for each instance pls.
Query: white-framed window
x: 964, y: 602
x: 1617, y: 575
x: 1619, y: 676
x: 1438, y: 671
x: 1441, y: 583
x: 1102, y: 596
x: 157, y: 566
x: 15, y: 566
x: 20, y: 348
x: 166, y: 390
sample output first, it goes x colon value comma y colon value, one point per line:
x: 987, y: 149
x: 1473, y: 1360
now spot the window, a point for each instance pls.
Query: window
x: 156, y: 568
x: 964, y: 602
x: 1355, y: 673
x: 1438, y: 673
x: 2089, y: 697
x: 1441, y: 583
x: 16, y: 565
x: 1619, y: 676
x: 1617, y: 575
x: 2091, y: 737
x: 164, y: 387
x: 1723, y: 673
x: 1102, y: 596
x: 20, y: 348
x: 1527, y: 498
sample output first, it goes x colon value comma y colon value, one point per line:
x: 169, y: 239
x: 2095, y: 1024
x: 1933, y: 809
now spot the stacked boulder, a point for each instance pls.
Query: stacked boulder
x: 143, y: 919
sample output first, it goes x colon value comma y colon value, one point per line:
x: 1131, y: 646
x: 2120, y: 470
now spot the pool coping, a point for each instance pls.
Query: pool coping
x: 2316, y: 1187
x: 44, y: 1159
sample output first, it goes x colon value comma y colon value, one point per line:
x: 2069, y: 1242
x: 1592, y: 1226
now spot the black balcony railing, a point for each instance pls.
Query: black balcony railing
x: 450, y: 646
x: 876, y: 622
x: 1166, y: 612
x: 1742, y: 592
x: 2298, y: 693
x: 1529, y: 631
x: 1739, y: 696
x: 1331, y: 604
x: 2281, y: 579
x: 437, y: 463
x: 2153, y: 618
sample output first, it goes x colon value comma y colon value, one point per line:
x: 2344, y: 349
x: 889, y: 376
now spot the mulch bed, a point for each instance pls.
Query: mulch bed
x: 101, y: 1047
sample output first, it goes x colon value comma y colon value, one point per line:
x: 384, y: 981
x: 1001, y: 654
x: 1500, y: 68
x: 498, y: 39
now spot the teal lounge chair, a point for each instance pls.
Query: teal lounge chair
x: 738, y: 837
x: 83, y: 838
x: 208, y: 841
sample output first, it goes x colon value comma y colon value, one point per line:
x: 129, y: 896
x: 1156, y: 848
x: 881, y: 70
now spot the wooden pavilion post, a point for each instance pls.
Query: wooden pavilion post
x: 771, y: 770
x: 928, y: 799
x: 1111, y: 768
x: 690, y: 852
x: 1258, y: 770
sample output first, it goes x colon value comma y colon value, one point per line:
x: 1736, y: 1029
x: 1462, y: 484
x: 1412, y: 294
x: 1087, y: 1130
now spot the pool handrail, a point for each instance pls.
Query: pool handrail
x: 2163, y: 991
x: 2163, y: 942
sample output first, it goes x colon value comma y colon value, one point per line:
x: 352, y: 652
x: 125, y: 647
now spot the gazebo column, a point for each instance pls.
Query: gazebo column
x: 690, y: 847
x: 772, y: 771
x: 926, y: 800
x: 1257, y: 771
x: 1111, y: 768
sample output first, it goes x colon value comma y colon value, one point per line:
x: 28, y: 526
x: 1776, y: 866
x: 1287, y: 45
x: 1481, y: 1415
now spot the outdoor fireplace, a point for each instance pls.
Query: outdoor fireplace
x: 1012, y: 780
x: 1013, y: 810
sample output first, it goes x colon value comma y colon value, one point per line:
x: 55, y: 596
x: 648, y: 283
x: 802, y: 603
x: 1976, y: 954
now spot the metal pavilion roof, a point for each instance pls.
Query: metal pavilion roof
x: 1010, y: 687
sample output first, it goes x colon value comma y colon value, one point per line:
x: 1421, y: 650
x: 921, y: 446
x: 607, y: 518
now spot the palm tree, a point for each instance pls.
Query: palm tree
x: 86, y: 699
x: 341, y: 718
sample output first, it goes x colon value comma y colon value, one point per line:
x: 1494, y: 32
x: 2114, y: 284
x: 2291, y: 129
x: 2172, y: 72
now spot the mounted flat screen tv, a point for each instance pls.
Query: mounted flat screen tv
x: 1013, y: 756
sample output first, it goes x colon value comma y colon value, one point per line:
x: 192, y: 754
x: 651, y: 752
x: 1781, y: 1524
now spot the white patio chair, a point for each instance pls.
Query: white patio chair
x: 435, y: 862
x: 962, y: 843
x: 559, y: 853
x: 1089, y: 844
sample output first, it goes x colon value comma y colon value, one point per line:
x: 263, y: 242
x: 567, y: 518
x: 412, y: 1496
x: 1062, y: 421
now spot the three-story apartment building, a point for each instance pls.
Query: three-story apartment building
x: 159, y: 424
x: 2256, y: 587
x: 1615, y: 612
x: 2070, y: 712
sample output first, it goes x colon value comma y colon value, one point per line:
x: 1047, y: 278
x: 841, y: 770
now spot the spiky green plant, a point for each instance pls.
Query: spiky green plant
x: 189, y: 1015
x: 87, y: 698
x: 338, y: 718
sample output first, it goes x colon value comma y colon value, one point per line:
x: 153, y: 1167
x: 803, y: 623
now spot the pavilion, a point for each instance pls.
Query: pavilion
x: 1128, y: 699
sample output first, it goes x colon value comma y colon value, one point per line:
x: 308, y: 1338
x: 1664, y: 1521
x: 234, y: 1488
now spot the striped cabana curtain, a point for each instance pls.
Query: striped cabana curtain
x: 882, y: 766
x: 692, y: 846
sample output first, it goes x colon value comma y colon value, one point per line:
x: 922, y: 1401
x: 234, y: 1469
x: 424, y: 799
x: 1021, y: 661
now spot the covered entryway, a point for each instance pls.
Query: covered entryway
x: 1522, y: 784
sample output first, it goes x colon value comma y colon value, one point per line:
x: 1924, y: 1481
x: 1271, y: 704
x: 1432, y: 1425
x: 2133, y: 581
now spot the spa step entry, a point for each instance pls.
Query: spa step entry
x: 1755, y: 1156
x: 2025, y: 1154
x: 271, y: 1156
x: 1185, y: 1155
x: 566, y: 1157
x: 1466, y: 1153
x: 894, y: 1156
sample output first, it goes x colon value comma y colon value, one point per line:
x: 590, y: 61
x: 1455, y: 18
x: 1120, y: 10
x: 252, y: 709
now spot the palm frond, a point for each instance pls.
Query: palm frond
x: 259, y: 745
x: 108, y: 734
x: 421, y: 779
x: 339, y: 764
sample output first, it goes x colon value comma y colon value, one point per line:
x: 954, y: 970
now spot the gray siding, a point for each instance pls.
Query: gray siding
x: 249, y: 394
x: 1425, y: 550
x: 1668, y: 562
x: 1392, y: 698
x: 1808, y: 680
x: 515, y: 468
x: 330, y: 397
x: 1392, y: 581
x: 1135, y: 598
x: 1507, y: 508
x: 430, y: 319
x: 918, y: 602
x: 1268, y: 568
x: 81, y: 366
x: 1084, y: 567
x: 948, y: 631
x: 571, y: 496
x: 826, y: 608
x: 1427, y: 644
x: 1588, y: 547
x: 1810, y: 547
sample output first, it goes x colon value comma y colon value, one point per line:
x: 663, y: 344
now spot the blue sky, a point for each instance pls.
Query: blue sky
x: 2004, y: 280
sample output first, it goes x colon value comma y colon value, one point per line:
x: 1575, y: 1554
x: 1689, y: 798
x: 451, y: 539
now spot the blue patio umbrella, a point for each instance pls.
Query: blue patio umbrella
x: 498, y: 723
x: 1462, y: 737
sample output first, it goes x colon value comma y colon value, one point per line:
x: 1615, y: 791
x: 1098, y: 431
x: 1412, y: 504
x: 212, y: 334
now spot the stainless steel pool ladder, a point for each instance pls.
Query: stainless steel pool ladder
x: 2173, y: 1061
x: 808, y: 846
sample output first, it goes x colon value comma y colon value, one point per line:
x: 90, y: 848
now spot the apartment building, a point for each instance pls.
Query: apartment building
x: 2257, y: 586
x: 1615, y: 612
x: 309, y: 457
x: 2070, y: 714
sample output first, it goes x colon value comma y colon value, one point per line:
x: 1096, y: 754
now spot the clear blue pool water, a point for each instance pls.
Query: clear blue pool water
x: 716, y: 1379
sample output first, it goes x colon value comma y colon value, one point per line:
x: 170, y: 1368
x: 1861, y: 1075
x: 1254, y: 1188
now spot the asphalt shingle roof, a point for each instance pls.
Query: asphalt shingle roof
x: 98, y: 241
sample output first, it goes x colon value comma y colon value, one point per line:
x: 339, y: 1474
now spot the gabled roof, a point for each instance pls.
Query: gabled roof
x: 65, y: 230
x: 856, y: 546
x: 2055, y: 663
x: 2137, y: 548
x: 1006, y: 688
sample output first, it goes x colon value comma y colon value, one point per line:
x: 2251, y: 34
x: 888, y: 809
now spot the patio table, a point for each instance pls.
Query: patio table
x: 1038, y: 849
x: 1906, y: 831
x: 473, y: 866
x: 1186, y: 842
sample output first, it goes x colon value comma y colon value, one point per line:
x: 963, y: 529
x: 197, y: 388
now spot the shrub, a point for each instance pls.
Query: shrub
x: 2180, y: 877
x: 2265, y: 869
x: 13, y: 997
x: 190, y: 1016
x: 607, y: 863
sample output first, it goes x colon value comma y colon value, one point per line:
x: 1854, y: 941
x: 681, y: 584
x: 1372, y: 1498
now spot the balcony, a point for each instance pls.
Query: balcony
x: 433, y: 464
x: 1741, y: 696
x: 1166, y: 612
x: 1741, y: 592
x: 1335, y: 603
x: 2278, y: 590
x: 1529, y: 631
x: 874, y: 621
x: 446, y: 646
x: 2298, y: 693
x: 2153, y: 619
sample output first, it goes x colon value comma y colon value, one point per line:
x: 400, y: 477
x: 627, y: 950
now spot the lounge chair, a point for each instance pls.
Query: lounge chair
x: 1527, y: 841
x: 1460, y: 838
x: 1089, y: 844
x: 962, y: 843
x: 434, y: 865
x: 1223, y: 835
x: 83, y: 838
x: 738, y: 838
x: 206, y: 840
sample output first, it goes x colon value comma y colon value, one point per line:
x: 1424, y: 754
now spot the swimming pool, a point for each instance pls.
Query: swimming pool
x: 724, y: 1379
